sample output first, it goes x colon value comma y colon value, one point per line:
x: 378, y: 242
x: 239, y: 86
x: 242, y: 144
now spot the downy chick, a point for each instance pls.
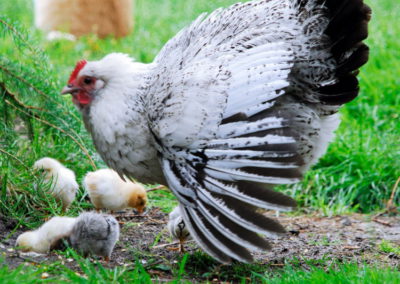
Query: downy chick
x: 107, y: 190
x: 177, y: 228
x: 64, y: 185
x: 45, y: 237
x: 95, y: 234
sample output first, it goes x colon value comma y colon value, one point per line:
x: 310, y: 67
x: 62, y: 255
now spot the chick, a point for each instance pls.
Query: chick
x: 64, y: 185
x: 177, y: 228
x: 95, y: 234
x: 45, y: 238
x: 107, y: 190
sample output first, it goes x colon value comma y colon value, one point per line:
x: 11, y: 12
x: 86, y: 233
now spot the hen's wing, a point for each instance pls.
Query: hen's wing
x: 234, y: 102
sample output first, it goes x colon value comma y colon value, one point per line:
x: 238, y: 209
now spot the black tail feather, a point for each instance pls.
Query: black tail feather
x: 347, y: 28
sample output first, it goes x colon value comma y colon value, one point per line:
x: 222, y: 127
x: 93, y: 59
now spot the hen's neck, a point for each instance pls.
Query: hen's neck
x: 118, y: 123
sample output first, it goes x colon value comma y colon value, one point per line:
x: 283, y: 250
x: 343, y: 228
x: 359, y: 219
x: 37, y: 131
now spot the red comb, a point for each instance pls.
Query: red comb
x: 79, y: 65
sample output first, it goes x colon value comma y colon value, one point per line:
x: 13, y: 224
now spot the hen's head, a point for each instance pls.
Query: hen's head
x: 90, y: 78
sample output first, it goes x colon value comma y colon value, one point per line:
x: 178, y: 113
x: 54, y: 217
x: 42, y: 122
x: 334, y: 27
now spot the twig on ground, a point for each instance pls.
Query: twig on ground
x: 277, y: 264
x: 351, y: 247
x: 382, y: 222
x: 170, y: 244
x: 157, y: 188
x: 151, y: 220
x: 165, y: 245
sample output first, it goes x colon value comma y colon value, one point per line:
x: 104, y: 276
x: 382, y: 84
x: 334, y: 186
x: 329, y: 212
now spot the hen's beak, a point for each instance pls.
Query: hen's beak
x: 70, y: 89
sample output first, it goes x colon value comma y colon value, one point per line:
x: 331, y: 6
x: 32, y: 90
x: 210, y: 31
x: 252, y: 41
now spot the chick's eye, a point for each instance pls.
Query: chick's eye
x: 87, y: 80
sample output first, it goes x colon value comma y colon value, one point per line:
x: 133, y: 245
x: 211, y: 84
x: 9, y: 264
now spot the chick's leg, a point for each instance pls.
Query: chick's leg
x: 181, y: 247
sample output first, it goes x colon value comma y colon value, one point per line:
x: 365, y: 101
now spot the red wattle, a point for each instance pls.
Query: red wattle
x: 83, y: 98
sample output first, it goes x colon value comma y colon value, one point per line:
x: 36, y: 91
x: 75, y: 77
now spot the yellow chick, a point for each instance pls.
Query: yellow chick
x: 64, y: 185
x: 108, y: 191
x: 46, y: 236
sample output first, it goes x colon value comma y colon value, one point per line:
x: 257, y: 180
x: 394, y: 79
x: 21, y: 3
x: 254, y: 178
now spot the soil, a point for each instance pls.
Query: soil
x: 310, y: 241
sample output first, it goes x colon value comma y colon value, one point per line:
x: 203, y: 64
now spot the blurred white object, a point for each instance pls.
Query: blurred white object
x: 54, y: 35
x: 79, y: 17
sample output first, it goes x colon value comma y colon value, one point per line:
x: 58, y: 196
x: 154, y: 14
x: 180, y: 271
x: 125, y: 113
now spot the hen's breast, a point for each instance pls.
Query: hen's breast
x: 121, y: 136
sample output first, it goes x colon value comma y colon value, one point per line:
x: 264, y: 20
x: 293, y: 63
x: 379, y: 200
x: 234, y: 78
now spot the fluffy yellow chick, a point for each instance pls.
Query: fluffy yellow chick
x: 107, y: 190
x: 64, y: 185
x: 44, y: 238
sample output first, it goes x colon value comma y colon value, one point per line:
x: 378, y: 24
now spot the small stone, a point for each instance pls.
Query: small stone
x: 345, y: 221
x: 45, y: 275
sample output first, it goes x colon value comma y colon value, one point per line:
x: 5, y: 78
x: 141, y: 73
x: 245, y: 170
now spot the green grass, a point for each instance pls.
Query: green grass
x: 94, y: 272
x: 357, y: 173
x: 389, y: 247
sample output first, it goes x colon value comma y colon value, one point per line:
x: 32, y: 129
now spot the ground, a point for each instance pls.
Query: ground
x: 310, y: 240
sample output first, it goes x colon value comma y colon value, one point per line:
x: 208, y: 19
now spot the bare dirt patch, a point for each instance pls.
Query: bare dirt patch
x: 311, y: 240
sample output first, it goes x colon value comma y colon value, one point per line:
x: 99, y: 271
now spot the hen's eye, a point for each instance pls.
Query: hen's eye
x: 87, y: 80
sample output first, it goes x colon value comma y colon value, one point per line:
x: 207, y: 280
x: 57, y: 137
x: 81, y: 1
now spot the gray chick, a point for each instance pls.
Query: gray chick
x: 95, y: 234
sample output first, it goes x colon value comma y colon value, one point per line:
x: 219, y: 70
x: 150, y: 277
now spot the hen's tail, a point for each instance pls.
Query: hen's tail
x: 331, y: 67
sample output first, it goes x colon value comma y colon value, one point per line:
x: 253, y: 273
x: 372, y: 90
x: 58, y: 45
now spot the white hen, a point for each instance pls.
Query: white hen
x: 239, y: 101
x: 107, y: 190
x: 45, y: 237
x: 64, y: 185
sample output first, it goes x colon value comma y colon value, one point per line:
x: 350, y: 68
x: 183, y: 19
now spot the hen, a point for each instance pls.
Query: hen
x: 239, y: 101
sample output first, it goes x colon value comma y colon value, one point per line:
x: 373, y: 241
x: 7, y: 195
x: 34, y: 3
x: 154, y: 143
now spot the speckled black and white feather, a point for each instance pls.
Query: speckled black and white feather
x: 241, y: 100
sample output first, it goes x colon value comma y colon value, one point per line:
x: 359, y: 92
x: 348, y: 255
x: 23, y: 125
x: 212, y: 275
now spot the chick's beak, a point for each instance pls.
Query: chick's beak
x: 70, y: 89
x: 140, y: 211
